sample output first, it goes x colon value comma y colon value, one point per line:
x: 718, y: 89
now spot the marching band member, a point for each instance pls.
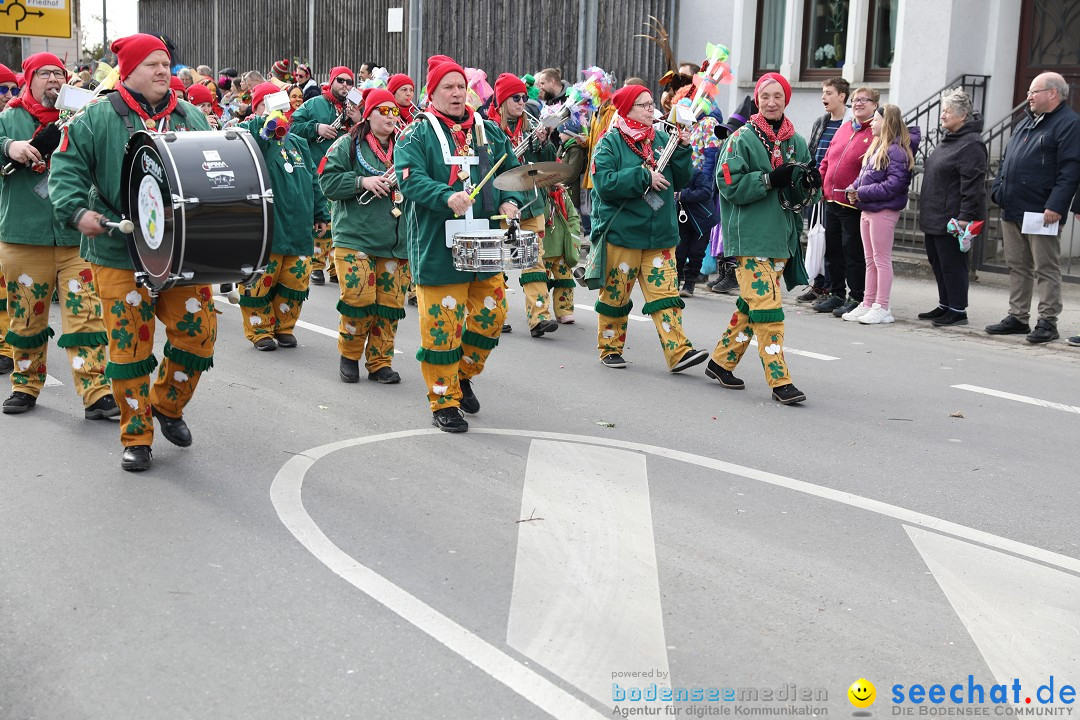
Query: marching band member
x: 403, y: 89
x: 271, y: 305
x: 83, y: 184
x: 461, y: 313
x: 509, y: 111
x: 178, y: 88
x: 637, y: 242
x: 201, y: 97
x: 754, y: 166
x: 369, y: 240
x: 41, y: 254
x: 314, y: 122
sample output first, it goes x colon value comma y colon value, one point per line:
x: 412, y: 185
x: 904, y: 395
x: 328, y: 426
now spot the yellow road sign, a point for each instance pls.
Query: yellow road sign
x: 36, y: 18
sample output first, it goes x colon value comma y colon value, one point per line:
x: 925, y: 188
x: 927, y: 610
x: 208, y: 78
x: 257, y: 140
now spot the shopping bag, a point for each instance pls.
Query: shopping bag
x: 815, y: 244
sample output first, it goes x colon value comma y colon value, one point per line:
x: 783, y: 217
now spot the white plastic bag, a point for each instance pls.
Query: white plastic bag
x: 815, y: 244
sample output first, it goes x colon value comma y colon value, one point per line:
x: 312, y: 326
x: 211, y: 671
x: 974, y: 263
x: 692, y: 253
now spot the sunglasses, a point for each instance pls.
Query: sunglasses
x: 518, y: 98
x: 4, y: 90
x: 343, y: 81
x: 385, y: 110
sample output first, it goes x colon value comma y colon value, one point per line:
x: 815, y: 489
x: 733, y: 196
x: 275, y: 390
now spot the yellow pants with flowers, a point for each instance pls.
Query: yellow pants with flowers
x: 190, y: 322
x: 5, y: 349
x: 561, y: 283
x: 33, y: 273
x: 371, y: 304
x: 459, y: 327
x: 271, y: 305
x: 759, y: 313
x: 322, y: 258
x: 654, y: 271
x: 534, y: 280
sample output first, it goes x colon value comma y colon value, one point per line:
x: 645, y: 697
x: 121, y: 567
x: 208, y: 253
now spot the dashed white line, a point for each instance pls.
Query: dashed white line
x: 636, y: 318
x: 1019, y: 398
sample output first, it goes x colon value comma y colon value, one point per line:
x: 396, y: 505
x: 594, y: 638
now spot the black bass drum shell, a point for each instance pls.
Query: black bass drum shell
x: 201, y: 205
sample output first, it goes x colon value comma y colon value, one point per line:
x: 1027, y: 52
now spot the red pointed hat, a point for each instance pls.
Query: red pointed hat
x: 133, y: 49
x: 508, y: 84
x: 624, y: 98
x: 341, y: 70
x: 6, y: 75
x: 376, y: 97
x: 396, y: 82
x: 260, y: 91
x: 198, y: 94
x: 177, y: 85
x: 39, y: 60
x: 438, y: 67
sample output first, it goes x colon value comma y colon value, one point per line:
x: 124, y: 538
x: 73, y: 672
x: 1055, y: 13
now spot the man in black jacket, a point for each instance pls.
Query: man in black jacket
x: 1039, y: 174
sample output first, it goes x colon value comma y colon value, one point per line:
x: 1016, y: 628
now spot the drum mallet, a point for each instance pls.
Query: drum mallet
x: 125, y: 226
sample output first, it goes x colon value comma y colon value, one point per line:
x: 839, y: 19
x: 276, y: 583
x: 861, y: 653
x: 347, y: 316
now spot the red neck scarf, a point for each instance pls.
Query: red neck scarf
x: 41, y: 113
x: 151, y: 122
x: 771, y: 139
x: 461, y: 134
x: 515, y: 134
x: 558, y: 199
x: 386, y: 157
x: 634, y: 133
x: 333, y: 100
x: 405, y: 112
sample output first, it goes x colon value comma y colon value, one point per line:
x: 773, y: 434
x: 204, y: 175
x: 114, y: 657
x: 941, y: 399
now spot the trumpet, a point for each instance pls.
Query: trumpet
x: 534, y: 134
x: 367, y: 196
x: 651, y: 197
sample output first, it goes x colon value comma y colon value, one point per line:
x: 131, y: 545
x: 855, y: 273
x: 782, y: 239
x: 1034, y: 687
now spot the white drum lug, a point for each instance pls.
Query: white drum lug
x: 177, y: 200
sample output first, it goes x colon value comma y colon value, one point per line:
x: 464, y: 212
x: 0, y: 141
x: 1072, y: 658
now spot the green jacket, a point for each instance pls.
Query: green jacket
x: 86, y: 172
x: 305, y: 122
x: 620, y: 180
x: 424, y: 181
x: 298, y: 199
x: 26, y: 218
x: 754, y: 223
x: 370, y: 228
x: 563, y: 235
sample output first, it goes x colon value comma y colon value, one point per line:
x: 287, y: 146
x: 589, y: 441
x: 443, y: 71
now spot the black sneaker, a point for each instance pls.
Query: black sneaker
x: 136, y: 458
x: 286, y: 340
x: 787, y: 394
x: 333, y: 279
x: 385, y: 376
x: 317, y: 277
x: 6, y: 364
x: 689, y: 359
x: 450, y: 420
x: 724, y: 377
x: 949, y: 318
x: 1074, y: 341
x: 809, y: 296
x: 348, y: 370
x: 175, y: 430
x: 544, y: 326
x: 413, y: 300
x: 1044, y: 332
x: 934, y: 314
x: 846, y: 308
x: 105, y: 407
x: 687, y: 290
x: 727, y: 284
x: 1009, y: 326
x: 506, y: 329
x: 613, y: 361
x: 469, y: 401
x: 266, y: 343
x: 18, y: 403
x: 828, y: 303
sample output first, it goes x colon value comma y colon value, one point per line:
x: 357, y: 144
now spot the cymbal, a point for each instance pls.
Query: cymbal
x: 536, y: 175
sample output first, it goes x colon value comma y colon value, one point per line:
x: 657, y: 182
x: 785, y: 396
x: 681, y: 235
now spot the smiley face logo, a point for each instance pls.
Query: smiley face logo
x: 862, y: 693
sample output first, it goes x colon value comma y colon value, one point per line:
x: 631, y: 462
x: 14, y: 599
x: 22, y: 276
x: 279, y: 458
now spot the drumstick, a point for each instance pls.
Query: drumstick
x: 476, y: 190
x: 125, y: 226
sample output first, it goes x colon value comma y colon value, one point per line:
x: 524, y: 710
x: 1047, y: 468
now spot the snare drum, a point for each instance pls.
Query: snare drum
x: 201, y: 205
x: 492, y: 251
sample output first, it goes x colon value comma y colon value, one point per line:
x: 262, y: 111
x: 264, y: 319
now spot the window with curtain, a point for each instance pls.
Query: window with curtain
x: 770, y: 35
x: 881, y: 39
x: 825, y: 26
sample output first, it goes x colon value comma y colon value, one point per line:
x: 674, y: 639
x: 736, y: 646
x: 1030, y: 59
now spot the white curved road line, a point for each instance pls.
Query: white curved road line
x: 285, y: 493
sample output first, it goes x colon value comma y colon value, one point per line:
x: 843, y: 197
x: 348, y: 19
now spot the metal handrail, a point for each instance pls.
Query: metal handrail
x: 925, y: 114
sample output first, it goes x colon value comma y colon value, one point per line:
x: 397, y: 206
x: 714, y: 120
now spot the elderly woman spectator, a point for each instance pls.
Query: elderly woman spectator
x: 954, y: 187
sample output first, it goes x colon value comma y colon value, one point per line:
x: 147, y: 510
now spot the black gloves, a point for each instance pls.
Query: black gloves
x: 812, y: 179
x: 781, y: 176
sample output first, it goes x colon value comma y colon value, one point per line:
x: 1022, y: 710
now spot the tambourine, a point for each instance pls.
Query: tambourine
x: 796, y: 196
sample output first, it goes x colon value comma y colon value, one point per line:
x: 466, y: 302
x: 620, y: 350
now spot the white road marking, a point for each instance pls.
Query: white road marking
x: 804, y: 353
x: 285, y: 494
x: 50, y: 381
x: 586, y: 596
x: 222, y: 300
x: 631, y: 316
x: 1021, y: 633
x: 1019, y: 398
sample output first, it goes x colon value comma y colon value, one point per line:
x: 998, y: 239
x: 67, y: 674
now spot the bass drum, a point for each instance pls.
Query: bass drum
x: 201, y: 204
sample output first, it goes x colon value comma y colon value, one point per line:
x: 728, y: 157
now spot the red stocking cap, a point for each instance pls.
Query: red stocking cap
x: 198, y: 94
x: 376, y: 97
x: 133, y: 49
x: 438, y: 67
x: 7, y: 76
x: 341, y: 70
x: 260, y: 92
x: 624, y: 98
x: 397, y: 82
x: 177, y: 85
x: 508, y: 84
x: 777, y: 78
x: 37, y: 61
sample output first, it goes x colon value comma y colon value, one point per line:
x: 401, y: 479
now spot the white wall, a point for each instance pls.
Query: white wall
x: 707, y: 21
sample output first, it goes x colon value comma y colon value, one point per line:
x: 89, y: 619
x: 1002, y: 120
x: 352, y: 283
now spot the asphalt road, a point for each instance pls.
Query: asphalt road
x: 322, y: 552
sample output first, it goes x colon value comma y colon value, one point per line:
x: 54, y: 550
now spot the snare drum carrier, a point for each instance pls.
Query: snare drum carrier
x: 201, y: 205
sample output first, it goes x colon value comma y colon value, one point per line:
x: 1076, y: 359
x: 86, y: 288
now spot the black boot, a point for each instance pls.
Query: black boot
x: 349, y: 370
x: 469, y: 401
x: 450, y: 420
x: 136, y: 458
x: 724, y: 377
x: 175, y: 430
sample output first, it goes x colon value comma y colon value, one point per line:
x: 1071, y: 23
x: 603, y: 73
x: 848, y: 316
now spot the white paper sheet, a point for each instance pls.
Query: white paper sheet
x: 1033, y: 225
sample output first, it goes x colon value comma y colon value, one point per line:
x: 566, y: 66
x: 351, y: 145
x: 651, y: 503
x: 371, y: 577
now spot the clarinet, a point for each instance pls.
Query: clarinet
x: 652, y: 197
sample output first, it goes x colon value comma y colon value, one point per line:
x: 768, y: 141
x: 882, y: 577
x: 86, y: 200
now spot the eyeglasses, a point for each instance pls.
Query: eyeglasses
x: 861, y: 101
x: 385, y: 110
x: 1032, y: 93
x: 46, y: 74
x: 4, y: 90
x: 343, y: 81
x: 647, y: 105
x: 518, y: 98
